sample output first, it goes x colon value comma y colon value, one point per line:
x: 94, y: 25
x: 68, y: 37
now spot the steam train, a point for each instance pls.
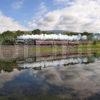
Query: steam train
x: 45, y: 42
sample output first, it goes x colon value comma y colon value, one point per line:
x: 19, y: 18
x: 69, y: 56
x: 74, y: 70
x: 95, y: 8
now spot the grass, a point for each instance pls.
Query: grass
x: 60, y: 49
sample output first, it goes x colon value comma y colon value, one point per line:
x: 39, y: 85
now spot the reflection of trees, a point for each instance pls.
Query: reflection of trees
x: 7, y: 66
x: 90, y: 59
x: 38, y: 62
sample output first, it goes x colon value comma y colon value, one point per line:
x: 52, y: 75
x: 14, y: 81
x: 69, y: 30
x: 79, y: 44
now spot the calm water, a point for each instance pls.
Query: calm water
x: 71, y: 77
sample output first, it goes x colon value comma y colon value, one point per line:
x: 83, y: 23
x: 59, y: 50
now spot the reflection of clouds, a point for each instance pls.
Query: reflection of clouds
x: 6, y: 76
x: 78, y: 80
x: 59, y: 76
x: 84, y: 79
x: 52, y: 76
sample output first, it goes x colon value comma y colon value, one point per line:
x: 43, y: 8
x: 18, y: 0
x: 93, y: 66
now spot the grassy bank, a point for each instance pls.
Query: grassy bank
x: 77, y: 49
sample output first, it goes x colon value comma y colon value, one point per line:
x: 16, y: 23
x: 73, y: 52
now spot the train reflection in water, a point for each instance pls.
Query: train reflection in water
x: 43, y: 62
x: 38, y: 63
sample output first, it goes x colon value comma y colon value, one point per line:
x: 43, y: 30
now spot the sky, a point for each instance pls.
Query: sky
x: 69, y: 15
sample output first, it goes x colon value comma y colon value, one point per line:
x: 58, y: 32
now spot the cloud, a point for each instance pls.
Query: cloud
x: 40, y: 13
x: 64, y: 2
x: 7, y: 23
x: 18, y: 4
x: 80, y: 16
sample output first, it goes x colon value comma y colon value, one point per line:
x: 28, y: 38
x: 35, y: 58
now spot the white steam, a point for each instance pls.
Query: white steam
x: 53, y: 37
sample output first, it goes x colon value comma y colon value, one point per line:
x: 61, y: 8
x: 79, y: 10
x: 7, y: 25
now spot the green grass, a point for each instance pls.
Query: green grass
x: 79, y: 48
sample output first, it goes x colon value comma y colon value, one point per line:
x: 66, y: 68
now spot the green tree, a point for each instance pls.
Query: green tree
x: 37, y: 31
x: 7, y: 37
x: 89, y: 35
x: 18, y: 33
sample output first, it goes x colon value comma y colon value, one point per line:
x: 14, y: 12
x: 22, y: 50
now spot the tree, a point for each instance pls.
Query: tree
x: 18, y: 33
x: 7, y: 37
x: 7, y: 34
x: 71, y: 33
x: 37, y: 31
x: 89, y: 35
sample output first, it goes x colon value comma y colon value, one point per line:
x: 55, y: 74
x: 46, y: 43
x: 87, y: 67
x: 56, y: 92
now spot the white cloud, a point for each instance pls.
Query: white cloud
x: 40, y: 13
x: 17, y: 4
x: 83, y: 15
x: 63, y: 1
x: 7, y: 23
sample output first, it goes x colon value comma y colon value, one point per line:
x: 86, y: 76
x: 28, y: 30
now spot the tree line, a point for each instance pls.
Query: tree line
x: 9, y: 37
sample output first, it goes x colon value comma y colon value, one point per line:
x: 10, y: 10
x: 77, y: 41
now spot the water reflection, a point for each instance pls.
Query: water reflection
x: 44, y: 62
x: 63, y: 77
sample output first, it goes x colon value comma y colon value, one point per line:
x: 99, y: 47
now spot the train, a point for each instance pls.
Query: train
x: 46, y: 42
